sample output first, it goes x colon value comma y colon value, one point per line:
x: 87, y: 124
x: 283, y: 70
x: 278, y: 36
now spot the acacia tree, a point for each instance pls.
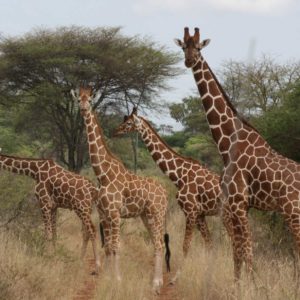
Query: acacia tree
x: 38, y: 70
x: 259, y: 86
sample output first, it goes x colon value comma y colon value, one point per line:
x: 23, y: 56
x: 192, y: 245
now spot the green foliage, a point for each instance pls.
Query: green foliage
x: 203, y: 149
x: 177, y: 139
x: 271, y: 232
x: 190, y: 114
x: 38, y: 70
x: 195, y: 140
x: 280, y: 125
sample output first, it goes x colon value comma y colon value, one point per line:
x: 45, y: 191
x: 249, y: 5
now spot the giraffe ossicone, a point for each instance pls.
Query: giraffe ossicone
x: 254, y: 174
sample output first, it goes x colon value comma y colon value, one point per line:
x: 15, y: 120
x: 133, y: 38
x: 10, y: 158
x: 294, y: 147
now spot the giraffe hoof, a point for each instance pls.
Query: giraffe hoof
x: 157, y: 284
x: 94, y: 273
x: 172, y: 282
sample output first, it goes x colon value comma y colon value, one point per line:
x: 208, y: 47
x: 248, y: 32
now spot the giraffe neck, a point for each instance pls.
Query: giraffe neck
x: 168, y: 160
x: 222, y: 117
x: 101, y: 158
x: 24, y: 166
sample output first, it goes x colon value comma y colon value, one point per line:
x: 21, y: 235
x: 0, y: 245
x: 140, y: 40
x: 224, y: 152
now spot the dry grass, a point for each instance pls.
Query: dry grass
x: 28, y: 274
x: 25, y: 273
x: 204, y: 275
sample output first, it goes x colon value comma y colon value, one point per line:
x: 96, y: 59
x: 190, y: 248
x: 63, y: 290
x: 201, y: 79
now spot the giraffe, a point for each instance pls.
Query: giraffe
x: 122, y: 193
x: 254, y: 174
x: 58, y: 188
x: 199, y: 193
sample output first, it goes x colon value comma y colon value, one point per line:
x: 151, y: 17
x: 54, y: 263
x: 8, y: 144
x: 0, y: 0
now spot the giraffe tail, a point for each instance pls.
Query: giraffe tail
x: 102, y: 234
x: 168, y: 252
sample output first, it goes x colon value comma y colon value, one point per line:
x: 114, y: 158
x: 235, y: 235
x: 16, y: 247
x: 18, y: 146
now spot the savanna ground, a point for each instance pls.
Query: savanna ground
x: 29, y: 271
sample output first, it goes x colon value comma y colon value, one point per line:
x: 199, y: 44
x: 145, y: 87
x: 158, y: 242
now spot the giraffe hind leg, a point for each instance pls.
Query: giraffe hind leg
x: 155, y: 224
x: 190, y: 224
x: 89, y: 233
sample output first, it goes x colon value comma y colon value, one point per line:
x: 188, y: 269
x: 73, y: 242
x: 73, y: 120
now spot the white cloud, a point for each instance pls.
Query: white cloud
x: 248, y: 6
x: 254, y: 6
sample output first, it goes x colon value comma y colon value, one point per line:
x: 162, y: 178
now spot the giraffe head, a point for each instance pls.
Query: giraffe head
x: 84, y: 97
x: 129, y: 124
x: 191, y: 46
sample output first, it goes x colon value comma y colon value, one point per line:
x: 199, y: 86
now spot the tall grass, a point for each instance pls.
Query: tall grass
x: 29, y: 273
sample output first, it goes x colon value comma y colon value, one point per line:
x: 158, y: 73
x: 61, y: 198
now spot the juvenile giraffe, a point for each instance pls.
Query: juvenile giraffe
x: 254, y: 174
x: 122, y: 193
x: 199, y: 193
x: 58, y: 188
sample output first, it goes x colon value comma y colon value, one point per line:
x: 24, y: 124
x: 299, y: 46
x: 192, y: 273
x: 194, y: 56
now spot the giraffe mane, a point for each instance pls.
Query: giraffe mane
x: 226, y: 98
x: 163, y: 142
x: 25, y: 158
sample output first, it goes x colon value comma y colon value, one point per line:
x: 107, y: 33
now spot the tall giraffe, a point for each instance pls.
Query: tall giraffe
x: 199, y: 193
x: 122, y: 193
x: 254, y: 174
x: 58, y: 188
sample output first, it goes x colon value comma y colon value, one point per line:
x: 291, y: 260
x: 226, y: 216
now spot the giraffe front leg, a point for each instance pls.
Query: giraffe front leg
x: 47, y: 219
x: 115, y: 242
x: 53, y: 223
x: 242, y: 244
x: 203, y: 228
x: 227, y: 221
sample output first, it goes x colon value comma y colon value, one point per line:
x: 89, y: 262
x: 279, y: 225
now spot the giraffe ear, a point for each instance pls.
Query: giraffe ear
x: 204, y: 43
x: 178, y: 42
x: 134, y: 111
x: 74, y: 94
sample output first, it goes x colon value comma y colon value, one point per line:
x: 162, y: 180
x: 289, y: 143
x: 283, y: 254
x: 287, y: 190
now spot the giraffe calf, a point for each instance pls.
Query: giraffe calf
x: 58, y: 188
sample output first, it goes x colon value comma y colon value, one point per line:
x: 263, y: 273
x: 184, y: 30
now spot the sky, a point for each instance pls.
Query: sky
x: 238, y: 29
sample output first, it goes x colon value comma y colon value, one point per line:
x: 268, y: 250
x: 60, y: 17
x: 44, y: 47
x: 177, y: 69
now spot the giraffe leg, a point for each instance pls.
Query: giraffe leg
x: 106, y: 232
x: 242, y: 245
x: 47, y: 219
x: 145, y: 222
x: 189, y: 228
x: 53, y: 222
x: 85, y: 240
x: 89, y: 233
x: 226, y: 219
x: 293, y: 221
x: 155, y: 225
x: 203, y: 228
x: 107, y: 238
x: 47, y: 208
x: 115, y: 241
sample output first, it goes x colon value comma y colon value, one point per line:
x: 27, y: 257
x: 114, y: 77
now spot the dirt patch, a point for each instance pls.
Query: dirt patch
x: 87, y: 290
x: 168, y: 291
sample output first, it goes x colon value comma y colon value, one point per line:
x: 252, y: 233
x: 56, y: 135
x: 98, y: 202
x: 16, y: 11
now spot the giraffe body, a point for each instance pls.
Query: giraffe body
x: 122, y: 193
x: 254, y: 174
x: 199, y: 193
x: 58, y: 188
